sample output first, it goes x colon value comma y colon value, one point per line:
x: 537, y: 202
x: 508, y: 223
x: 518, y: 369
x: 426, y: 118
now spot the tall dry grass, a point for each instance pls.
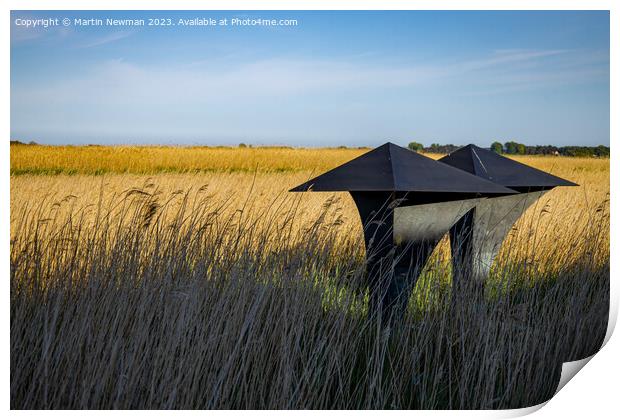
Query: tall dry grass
x: 562, y: 213
x: 224, y: 291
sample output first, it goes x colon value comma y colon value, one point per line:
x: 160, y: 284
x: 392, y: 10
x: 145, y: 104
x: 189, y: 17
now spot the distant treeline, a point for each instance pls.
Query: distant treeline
x: 509, y: 148
x: 514, y: 148
x: 32, y: 143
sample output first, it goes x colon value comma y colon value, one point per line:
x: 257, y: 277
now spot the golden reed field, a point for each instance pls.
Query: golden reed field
x: 255, y: 178
x: 188, y: 277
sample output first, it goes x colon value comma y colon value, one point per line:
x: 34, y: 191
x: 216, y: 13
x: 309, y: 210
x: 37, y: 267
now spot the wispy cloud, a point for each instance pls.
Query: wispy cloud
x: 277, y: 77
x: 106, y: 39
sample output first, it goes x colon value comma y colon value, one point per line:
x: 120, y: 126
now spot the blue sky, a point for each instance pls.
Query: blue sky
x: 337, y: 78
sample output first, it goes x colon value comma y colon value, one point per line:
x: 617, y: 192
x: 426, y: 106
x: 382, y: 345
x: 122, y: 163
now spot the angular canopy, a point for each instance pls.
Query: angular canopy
x: 393, y: 168
x: 501, y: 170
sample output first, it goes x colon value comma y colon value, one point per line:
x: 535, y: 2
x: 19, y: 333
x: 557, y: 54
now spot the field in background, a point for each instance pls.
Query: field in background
x: 96, y: 160
x: 52, y: 160
x: 161, y: 277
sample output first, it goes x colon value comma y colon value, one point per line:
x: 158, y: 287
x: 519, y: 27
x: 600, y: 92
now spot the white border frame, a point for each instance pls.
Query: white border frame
x: 593, y: 393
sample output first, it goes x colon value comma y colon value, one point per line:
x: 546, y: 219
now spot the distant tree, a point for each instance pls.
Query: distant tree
x: 497, y: 147
x: 602, y: 151
x: 510, y: 147
x: 415, y: 146
x: 585, y: 151
x: 243, y: 145
x: 514, y: 148
x: 441, y: 148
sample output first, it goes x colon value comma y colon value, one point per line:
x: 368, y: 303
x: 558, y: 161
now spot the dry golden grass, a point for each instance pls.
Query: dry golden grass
x: 158, y: 159
x: 91, y: 160
x: 564, y: 212
x: 216, y: 288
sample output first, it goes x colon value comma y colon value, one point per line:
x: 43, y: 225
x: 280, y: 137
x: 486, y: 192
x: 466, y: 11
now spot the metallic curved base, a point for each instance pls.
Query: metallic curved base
x: 477, y: 237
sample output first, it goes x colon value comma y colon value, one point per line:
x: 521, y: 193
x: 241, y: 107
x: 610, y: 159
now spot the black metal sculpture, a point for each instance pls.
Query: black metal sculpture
x: 406, y: 202
x: 477, y: 237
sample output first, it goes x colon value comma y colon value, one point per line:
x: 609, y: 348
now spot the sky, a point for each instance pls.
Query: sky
x: 335, y: 78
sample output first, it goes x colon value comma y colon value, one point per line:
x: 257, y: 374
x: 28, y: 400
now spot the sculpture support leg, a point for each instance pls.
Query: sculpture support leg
x: 477, y: 238
x: 399, y: 241
x: 395, y: 287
